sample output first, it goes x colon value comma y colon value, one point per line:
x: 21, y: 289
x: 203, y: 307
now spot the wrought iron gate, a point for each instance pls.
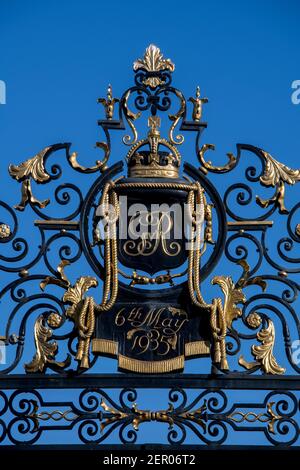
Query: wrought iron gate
x: 158, y: 306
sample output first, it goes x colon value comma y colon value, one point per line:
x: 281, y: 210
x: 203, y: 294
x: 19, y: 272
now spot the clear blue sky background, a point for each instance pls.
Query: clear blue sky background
x: 57, y: 57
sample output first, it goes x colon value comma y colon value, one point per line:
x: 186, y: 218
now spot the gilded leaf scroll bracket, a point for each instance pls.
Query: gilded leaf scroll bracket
x: 276, y: 174
x: 33, y: 168
x: 263, y: 353
x: 46, y: 350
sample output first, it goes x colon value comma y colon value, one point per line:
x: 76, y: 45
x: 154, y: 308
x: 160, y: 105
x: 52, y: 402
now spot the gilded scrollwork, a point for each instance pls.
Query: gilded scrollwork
x: 81, y: 309
x: 232, y: 296
x: 179, y: 139
x: 263, y: 353
x: 223, y: 314
x: 46, y: 350
x: 207, y: 166
x: 130, y: 118
x: 276, y: 174
x: 137, y: 416
x: 31, y: 168
x: 100, y: 165
x: 60, y: 279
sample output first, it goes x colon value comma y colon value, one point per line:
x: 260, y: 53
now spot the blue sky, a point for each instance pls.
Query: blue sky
x: 57, y: 57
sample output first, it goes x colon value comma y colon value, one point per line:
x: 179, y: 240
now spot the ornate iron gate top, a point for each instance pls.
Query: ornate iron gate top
x: 151, y: 235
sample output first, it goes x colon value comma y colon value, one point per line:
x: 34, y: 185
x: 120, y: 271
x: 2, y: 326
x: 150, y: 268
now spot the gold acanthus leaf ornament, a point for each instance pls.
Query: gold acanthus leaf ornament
x: 263, y: 353
x: 233, y: 292
x: 82, y: 312
x: 232, y: 296
x: 153, y: 61
x: 31, y: 168
x: 75, y: 294
x: 276, y: 174
x: 45, y: 350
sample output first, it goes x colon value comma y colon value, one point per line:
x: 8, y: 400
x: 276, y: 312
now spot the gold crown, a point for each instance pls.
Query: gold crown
x: 153, y: 163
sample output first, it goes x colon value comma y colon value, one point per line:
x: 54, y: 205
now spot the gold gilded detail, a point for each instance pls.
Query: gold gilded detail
x: 179, y: 139
x: 116, y: 415
x: 150, y: 329
x: 31, y: 168
x: 263, y: 353
x: 266, y: 417
x: 232, y: 296
x: 55, y: 415
x: 161, y: 225
x: 148, y: 367
x: 276, y: 174
x: 100, y: 164
x: 207, y: 166
x: 45, y: 350
x: 254, y: 320
x: 140, y: 279
x: 137, y: 416
x: 138, y: 167
x: 197, y: 348
x: 105, y: 346
x: 208, y: 235
x: 130, y: 117
x: 60, y: 279
x: 153, y: 61
x: 5, y: 231
x: 197, y: 105
x: 223, y: 316
x: 108, y: 103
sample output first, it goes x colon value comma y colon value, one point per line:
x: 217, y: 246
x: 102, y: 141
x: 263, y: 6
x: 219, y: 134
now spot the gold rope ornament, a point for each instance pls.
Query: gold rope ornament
x: 86, y: 316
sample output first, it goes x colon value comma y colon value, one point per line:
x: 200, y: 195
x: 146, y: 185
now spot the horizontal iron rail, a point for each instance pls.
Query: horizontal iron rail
x: 113, y: 381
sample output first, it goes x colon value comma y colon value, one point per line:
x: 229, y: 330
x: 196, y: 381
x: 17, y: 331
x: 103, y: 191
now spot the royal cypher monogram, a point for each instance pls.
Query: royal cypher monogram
x: 150, y: 329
